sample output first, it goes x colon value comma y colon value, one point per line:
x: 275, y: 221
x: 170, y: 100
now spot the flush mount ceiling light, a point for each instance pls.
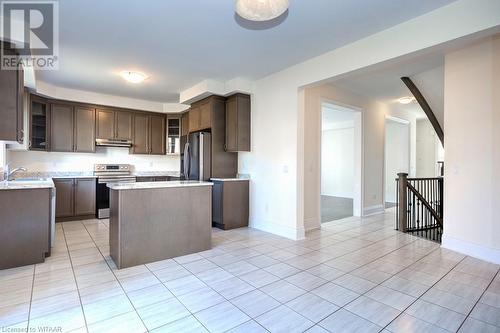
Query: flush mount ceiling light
x: 406, y: 100
x: 261, y: 10
x: 133, y: 77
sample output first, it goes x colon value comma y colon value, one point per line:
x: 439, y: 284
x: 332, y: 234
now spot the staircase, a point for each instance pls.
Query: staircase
x: 420, y: 206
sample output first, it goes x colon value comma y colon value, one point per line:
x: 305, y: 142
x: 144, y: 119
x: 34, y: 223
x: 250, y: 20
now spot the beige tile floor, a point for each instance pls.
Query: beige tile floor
x: 355, y: 275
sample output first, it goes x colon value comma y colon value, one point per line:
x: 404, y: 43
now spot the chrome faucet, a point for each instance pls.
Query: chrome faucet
x: 7, y: 173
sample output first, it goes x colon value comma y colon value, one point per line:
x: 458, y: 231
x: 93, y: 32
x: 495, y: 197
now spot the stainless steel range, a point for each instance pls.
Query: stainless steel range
x: 109, y: 173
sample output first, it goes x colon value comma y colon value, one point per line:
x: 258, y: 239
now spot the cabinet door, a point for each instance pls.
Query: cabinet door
x: 194, y: 119
x: 140, y: 134
x: 185, y: 124
x: 84, y: 130
x: 85, y: 196
x: 39, y: 124
x: 64, y: 197
x: 105, y: 124
x: 61, y: 128
x: 123, y: 125
x: 10, y: 109
x: 205, y: 116
x: 244, y: 120
x: 157, y: 135
x: 232, y: 124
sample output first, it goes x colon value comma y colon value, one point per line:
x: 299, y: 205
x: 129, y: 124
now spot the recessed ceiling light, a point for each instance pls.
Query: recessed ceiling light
x: 133, y: 77
x: 261, y: 10
x: 406, y: 100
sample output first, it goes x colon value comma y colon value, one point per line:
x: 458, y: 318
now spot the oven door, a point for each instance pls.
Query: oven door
x: 102, y: 194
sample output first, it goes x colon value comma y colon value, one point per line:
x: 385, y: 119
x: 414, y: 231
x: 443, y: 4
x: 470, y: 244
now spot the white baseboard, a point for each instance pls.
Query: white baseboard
x: 373, y: 210
x: 471, y: 249
x: 279, y: 229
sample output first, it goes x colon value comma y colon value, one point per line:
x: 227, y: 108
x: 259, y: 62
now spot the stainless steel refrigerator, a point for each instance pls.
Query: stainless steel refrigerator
x: 196, y: 158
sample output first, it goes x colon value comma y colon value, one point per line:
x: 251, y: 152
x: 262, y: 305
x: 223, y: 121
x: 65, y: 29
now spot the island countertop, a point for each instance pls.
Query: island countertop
x: 152, y: 185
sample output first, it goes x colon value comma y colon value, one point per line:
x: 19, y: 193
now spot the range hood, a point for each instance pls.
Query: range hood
x: 113, y: 143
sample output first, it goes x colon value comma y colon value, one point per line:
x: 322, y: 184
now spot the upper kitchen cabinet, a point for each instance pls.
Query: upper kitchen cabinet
x: 105, y: 125
x: 39, y: 124
x: 173, y: 135
x: 238, y: 123
x: 84, y: 129
x: 123, y: 125
x: 72, y: 128
x: 185, y: 124
x: 194, y: 119
x: 113, y: 124
x: 11, y: 103
x: 61, y: 128
x: 148, y: 134
x: 157, y: 135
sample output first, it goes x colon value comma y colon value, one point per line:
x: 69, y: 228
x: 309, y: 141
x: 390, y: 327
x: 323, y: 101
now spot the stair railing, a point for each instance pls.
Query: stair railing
x: 420, y: 206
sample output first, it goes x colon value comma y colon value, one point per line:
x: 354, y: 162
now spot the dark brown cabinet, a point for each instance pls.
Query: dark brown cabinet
x: 230, y: 204
x: 75, y: 197
x: 61, y: 128
x: 123, y: 124
x: 105, y: 125
x: 84, y: 130
x: 11, y: 102
x: 205, y: 115
x: 238, y: 123
x: 185, y: 124
x: 149, y: 134
x: 72, y: 128
x: 84, y: 196
x: 140, y: 134
x: 173, y: 135
x: 157, y: 135
x: 113, y: 124
x: 64, y: 197
x: 194, y: 119
x: 39, y: 124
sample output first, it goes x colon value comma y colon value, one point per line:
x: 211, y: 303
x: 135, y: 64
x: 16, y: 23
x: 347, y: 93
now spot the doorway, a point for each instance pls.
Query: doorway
x: 397, y: 155
x: 340, y: 162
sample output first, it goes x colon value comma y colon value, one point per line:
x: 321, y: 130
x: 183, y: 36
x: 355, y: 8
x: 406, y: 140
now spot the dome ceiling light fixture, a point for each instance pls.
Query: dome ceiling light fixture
x: 406, y: 100
x: 133, y: 77
x: 261, y: 10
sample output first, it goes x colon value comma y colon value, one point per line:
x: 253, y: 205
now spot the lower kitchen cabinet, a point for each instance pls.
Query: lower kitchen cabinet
x: 75, y: 198
x: 230, y: 203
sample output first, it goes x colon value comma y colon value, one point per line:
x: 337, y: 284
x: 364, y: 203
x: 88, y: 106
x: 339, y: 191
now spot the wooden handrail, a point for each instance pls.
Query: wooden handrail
x: 425, y: 106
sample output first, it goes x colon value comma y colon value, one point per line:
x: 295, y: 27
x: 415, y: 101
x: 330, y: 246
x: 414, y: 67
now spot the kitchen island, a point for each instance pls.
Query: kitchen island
x: 153, y: 221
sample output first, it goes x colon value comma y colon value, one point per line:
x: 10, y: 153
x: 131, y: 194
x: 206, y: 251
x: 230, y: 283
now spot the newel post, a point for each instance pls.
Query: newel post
x: 403, y: 201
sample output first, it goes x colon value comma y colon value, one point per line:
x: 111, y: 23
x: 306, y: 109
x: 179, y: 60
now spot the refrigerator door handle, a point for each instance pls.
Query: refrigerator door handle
x: 187, y: 160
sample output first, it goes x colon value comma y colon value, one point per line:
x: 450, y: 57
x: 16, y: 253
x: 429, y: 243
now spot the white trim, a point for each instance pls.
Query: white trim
x: 373, y: 210
x: 311, y: 224
x: 397, y: 120
x: 279, y: 229
x: 471, y: 249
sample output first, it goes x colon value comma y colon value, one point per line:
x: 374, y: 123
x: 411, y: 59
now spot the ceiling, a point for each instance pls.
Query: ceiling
x: 178, y: 43
x: 383, y: 82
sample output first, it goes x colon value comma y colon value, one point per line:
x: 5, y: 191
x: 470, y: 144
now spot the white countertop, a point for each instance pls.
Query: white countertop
x: 229, y: 179
x: 26, y: 185
x: 151, y: 185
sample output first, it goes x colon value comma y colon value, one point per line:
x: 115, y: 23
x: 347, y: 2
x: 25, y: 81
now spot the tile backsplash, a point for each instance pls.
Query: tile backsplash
x: 54, y: 161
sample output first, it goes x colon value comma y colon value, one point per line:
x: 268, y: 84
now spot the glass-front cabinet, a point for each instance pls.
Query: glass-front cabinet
x: 39, y: 120
x: 173, y: 135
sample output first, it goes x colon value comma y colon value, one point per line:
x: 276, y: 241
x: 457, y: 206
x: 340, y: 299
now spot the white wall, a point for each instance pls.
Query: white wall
x: 427, y: 149
x: 397, y: 155
x: 472, y: 154
x: 337, y: 162
x: 55, y: 161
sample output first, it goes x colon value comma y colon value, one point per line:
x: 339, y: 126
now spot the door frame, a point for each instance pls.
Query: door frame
x: 407, y: 123
x: 358, y: 154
